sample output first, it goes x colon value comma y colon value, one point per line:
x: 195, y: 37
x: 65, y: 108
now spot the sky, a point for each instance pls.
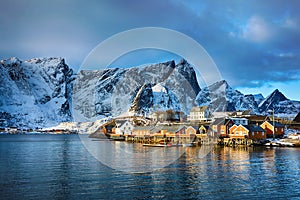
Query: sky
x: 255, y: 44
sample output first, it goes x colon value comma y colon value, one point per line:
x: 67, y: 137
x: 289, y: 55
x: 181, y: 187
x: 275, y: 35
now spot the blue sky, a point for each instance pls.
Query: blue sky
x: 255, y: 44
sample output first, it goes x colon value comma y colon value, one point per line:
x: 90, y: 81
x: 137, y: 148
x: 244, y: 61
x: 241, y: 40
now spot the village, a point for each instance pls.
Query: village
x: 202, y: 127
x: 199, y: 127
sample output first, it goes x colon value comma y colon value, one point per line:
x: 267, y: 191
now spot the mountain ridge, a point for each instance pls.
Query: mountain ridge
x: 41, y: 86
x: 44, y: 86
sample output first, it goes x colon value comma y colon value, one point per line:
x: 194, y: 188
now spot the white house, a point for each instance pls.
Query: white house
x: 124, y: 127
x: 238, y: 121
x: 198, y: 114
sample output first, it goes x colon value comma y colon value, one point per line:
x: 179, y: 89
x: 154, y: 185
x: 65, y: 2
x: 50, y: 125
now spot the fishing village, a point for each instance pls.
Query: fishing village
x: 169, y: 128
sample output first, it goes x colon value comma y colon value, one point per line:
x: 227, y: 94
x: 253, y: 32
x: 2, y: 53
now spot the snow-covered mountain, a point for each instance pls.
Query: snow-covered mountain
x: 40, y: 93
x: 279, y: 103
x: 221, y: 97
x: 35, y: 93
x: 112, y: 92
x: 258, y: 98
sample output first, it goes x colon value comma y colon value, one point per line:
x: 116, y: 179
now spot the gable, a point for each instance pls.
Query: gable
x: 238, y: 128
x: 190, y: 129
x: 126, y: 124
x: 243, y: 127
x: 266, y: 123
x: 233, y: 127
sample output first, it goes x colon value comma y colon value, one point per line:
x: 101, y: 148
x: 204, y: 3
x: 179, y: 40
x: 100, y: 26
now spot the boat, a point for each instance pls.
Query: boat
x: 272, y: 144
x: 163, y: 145
x: 286, y: 144
x: 188, y: 144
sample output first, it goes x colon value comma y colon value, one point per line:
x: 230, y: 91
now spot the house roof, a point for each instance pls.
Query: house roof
x: 120, y: 122
x: 233, y: 127
x: 241, y: 113
x: 141, y: 128
x: 238, y: 118
x: 199, y: 109
x: 194, y: 127
x: 220, y: 121
x: 254, y: 128
x: 172, y: 128
x: 297, y: 118
x: 276, y: 124
x: 236, y: 126
x: 257, y: 118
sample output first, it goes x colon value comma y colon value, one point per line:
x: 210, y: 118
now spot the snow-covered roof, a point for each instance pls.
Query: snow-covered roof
x: 199, y: 109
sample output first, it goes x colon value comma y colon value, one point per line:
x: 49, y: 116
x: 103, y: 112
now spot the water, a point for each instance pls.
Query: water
x: 59, y: 167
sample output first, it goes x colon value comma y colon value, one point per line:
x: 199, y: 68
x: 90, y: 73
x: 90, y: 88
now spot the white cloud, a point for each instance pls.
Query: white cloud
x: 256, y: 29
x: 290, y: 23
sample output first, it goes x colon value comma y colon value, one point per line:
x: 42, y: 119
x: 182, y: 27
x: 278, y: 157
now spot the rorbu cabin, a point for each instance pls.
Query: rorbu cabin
x: 174, y: 129
x: 238, y: 131
x: 124, y: 127
x: 276, y: 131
x: 256, y: 132
x: 221, y: 126
x: 142, y: 130
x: 247, y: 131
x: 203, y: 129
x: 192, y: 130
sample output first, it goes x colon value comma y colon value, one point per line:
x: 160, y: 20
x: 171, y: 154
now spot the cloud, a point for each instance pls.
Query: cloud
x: 253, y: 43
x: 256, y: 30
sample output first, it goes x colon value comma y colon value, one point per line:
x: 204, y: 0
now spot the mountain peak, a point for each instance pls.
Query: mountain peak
x: 11, y: 62
x: 222, y: 85
x: 272, y: 100
x: 277, y: 96
x: 182, y: 62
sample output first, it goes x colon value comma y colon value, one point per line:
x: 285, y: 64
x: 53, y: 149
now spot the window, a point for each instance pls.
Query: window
x: 252, y: 133
x: 263, y: 133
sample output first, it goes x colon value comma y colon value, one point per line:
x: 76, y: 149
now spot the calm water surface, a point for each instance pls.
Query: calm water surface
x: 59, y: 167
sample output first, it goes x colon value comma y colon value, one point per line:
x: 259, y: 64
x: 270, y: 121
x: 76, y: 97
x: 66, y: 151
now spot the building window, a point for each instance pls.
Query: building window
x: 252, y: 133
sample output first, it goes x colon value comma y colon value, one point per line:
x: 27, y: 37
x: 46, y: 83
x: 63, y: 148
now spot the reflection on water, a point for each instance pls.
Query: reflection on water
x: 59, y: 167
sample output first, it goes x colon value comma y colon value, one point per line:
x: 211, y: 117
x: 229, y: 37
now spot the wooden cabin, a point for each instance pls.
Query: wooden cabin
x: 247, y: 131
x: 221, y: 126
x: 273, y: 131
x: 192, y: 130
x: 142, y: 130
x: 256, y: 132
x: 238, y: 131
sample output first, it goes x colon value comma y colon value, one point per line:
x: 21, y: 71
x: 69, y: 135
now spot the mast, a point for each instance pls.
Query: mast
x: 273, y: 126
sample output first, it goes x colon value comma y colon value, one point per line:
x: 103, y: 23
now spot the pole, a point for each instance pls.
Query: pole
x: 273, y: 126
